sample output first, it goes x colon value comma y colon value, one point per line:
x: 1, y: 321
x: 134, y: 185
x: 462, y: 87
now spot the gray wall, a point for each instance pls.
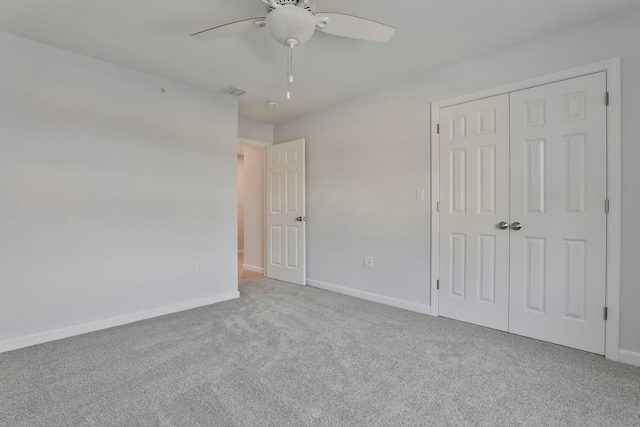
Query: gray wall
x: 112, y: 191
x: 366, y: 157
x: 257, y: 131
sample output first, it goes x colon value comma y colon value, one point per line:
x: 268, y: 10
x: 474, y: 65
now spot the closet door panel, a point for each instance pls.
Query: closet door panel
x: 558, y: 190
x: 474, y: 193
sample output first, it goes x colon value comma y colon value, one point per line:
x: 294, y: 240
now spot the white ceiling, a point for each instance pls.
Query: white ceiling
x: 154, y: 36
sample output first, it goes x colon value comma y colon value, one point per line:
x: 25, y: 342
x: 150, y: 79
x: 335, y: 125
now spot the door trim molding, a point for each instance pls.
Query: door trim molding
x: 614, y: 182
x: 254, y: 143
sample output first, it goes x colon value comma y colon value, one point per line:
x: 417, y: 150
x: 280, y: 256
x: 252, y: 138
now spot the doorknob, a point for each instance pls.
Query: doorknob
x: 516, y: 226
x: 503, y: 225
x: 301, y: 218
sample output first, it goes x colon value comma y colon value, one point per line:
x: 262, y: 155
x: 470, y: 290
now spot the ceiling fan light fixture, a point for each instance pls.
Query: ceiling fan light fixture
x: 290, y: 22
x: 293, y: 22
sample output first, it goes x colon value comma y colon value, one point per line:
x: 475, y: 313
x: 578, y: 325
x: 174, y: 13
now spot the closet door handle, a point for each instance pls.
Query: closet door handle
x: 516, y: 226
x: 503, y: 225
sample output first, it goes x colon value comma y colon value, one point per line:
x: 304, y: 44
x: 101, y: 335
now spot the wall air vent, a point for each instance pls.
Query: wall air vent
x: 233, y: 91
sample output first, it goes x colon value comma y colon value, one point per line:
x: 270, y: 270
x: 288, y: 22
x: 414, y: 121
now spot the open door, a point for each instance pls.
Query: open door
x: 286, y: 212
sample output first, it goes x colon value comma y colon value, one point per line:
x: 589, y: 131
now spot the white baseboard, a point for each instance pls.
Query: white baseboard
x: 407, y: 305
x: 110, y: 323
x: 630, y: 357
x: 253, y: 268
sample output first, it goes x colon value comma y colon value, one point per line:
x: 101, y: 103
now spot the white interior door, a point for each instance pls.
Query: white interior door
x: 558, y: 191
x: 474, y: 197
x: 286, y: 212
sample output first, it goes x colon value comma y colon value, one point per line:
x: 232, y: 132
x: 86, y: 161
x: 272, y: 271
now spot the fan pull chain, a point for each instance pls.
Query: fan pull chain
x: 289, y: 51
x: 289, y: 71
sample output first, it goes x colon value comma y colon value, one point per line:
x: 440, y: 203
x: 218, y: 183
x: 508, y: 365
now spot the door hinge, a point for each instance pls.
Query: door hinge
x: 605, y: 313
x: 438, y: 128
x: 606, y: 206
x: 438, y: 206
x: 438, y: 284
x: 606, y: 98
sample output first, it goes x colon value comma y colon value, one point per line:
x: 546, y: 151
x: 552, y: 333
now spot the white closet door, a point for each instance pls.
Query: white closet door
x: 474, y: 197
x: 558, y: 191
x: 286, y: 212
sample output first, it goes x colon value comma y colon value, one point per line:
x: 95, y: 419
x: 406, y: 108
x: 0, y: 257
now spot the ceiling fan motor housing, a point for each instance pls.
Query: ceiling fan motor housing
x: 291, y: 22
x: 300, y: 3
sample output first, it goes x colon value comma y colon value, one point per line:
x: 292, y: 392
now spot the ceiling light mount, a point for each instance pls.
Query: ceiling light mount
x: 305, y: 4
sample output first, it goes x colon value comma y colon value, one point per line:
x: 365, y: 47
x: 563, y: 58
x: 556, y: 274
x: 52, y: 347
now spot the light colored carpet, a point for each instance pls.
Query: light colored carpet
x: 284, y: 355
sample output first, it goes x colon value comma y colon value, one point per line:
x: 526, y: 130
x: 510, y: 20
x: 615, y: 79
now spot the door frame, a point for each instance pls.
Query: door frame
x: 262, y: 145
x: 614, y: 180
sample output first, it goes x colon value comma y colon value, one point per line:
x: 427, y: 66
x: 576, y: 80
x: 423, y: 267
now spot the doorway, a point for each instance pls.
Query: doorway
x: 250, y: 211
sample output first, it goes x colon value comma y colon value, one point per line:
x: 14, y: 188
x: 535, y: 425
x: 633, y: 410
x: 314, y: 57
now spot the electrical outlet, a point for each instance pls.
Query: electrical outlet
x: 368, y: 261
x: 199, y: 268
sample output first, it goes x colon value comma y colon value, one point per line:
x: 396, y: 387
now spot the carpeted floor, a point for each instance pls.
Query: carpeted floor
x: 284, y: 355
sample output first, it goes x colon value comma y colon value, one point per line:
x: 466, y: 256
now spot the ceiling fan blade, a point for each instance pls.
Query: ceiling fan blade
x: 340, y: 24
x: 230, y: 29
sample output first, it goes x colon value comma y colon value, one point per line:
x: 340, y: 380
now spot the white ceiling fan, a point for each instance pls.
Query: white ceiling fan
x: 293, y: 22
